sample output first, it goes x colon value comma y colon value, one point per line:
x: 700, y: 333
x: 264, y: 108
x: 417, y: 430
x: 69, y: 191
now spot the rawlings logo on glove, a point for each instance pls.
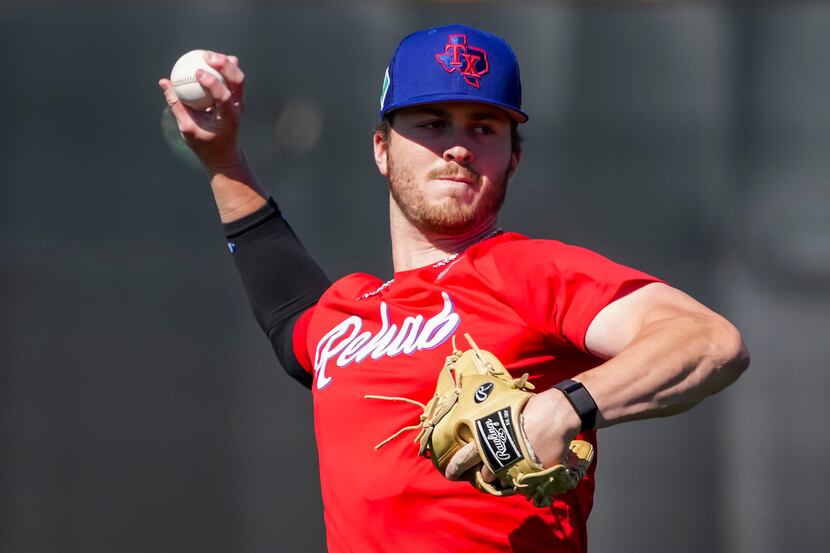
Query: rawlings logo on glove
x: 476, y: 400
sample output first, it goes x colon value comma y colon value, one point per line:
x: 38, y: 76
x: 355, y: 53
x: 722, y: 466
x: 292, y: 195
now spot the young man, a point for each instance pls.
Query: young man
x: 619, y: 344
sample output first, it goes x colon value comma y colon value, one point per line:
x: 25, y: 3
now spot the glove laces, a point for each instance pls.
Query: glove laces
x: 441, y: 404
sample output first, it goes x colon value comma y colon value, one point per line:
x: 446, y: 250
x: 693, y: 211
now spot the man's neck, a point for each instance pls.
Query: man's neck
x: 413, y: 247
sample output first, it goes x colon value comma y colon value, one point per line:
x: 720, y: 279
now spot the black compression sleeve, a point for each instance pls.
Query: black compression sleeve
x: 280, y: 278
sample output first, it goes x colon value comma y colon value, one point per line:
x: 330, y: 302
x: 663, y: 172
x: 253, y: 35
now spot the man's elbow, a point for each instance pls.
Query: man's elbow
x: 729, y: 352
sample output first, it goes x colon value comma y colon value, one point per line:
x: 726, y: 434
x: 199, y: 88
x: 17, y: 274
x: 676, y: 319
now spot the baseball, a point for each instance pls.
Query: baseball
x: 185, y: 85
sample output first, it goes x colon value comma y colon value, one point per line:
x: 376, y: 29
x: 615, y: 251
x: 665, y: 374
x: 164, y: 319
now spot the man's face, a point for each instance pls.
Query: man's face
x: 448, y: 164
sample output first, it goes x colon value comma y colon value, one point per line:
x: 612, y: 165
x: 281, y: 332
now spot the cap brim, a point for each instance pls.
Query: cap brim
x: 515, y: 114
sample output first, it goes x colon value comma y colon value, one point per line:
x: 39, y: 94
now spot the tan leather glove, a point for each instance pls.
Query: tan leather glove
x: 476, y: 400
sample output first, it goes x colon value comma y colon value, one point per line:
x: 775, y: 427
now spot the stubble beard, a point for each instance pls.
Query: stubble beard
x: 450, y: 216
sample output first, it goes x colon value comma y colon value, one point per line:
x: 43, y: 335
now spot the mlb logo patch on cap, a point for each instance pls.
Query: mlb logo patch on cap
x: 453, y: 63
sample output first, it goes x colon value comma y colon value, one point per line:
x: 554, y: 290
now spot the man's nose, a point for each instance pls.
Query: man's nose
x: 458, y: 153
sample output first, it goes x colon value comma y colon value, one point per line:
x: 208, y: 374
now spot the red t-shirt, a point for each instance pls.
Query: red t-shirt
x: 529, y: 302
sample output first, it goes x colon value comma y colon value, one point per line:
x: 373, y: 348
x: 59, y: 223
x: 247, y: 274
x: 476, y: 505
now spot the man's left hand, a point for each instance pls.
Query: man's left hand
x: 549, y: 423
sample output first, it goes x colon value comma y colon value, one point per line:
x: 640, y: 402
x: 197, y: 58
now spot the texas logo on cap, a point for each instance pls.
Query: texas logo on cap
x: 470, y: 61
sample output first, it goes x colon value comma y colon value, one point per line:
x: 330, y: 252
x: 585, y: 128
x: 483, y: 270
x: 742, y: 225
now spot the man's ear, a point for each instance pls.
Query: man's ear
x: 380, y: 147
x: 515, y: 158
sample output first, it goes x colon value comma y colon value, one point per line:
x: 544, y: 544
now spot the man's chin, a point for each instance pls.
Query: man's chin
x: 447, y: 214
x: 448, y: 223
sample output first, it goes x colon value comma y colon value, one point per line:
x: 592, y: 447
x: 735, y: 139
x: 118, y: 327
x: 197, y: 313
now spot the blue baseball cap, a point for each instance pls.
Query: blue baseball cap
x: 451, y: 64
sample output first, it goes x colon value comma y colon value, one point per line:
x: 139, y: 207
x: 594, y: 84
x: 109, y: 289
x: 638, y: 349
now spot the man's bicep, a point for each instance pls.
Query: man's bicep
x: 616, y: 325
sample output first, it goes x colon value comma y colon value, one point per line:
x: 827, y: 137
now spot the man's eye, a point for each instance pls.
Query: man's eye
x: 437, y: 124
x: 484, y: 129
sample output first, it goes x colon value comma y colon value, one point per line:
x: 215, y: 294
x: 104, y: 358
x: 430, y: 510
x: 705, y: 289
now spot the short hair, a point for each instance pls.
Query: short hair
x: 385, y: 127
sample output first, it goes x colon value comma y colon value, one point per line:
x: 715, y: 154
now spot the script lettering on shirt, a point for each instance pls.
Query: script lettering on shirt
x: 346, y: 344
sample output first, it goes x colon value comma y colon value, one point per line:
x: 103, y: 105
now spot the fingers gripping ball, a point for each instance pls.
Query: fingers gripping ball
x: 185, y: 85
x: 477, y: 401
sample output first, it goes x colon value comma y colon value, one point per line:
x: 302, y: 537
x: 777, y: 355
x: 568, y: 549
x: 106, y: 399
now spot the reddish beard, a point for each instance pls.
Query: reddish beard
x: 451, y: 215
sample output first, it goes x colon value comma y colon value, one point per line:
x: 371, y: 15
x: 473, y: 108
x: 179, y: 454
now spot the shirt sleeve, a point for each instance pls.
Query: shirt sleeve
x: 560, y: 288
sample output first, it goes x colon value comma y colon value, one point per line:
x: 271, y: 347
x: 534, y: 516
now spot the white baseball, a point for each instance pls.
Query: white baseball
x: 185, y: 85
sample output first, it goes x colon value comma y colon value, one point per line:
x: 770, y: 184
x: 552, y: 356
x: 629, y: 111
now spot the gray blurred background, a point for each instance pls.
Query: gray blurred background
x: 141, y: 410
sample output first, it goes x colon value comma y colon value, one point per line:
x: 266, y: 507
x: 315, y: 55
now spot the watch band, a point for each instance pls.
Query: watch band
x: 582, y: 402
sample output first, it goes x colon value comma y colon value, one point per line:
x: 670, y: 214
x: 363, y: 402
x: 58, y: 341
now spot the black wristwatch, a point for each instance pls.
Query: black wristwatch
x: 582, y: 402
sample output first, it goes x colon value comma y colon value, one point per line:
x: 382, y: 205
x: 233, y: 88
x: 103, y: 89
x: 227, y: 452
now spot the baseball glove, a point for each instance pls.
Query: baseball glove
x: 476, y: 400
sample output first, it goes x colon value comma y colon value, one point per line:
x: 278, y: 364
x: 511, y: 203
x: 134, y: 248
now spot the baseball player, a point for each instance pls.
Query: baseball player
x: 602, y: 343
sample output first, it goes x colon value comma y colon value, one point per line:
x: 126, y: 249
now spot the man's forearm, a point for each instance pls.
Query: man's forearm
x: 236, y: 189
x: 670, y: 366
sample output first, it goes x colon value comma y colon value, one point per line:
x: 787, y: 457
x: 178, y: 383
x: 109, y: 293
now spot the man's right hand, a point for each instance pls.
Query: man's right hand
x: 213, y: 137
x: 213, y: 134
